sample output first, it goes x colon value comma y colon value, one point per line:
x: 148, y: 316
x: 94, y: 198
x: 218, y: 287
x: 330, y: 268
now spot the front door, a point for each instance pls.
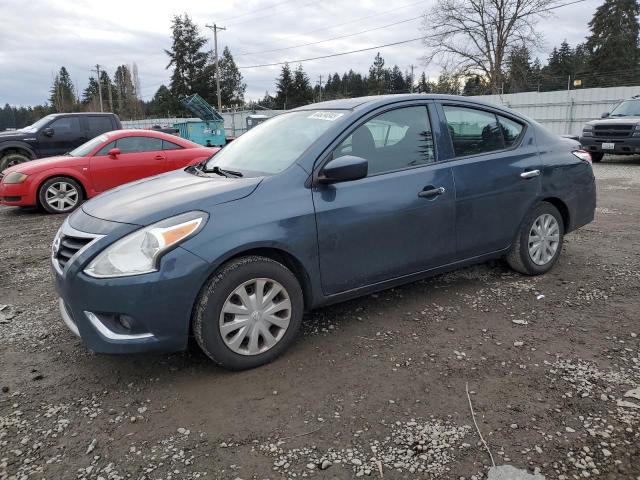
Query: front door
x: 398, y: 220
x: 139, y: 157
x: 497, y: 176
x: 65, y: 134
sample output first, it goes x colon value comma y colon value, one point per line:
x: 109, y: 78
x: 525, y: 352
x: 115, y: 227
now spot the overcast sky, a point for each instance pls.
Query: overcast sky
x: 38, y: 36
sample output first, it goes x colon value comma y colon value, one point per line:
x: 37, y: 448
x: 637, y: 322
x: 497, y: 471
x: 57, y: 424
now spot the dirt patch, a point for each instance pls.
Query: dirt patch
x: 373, y: 386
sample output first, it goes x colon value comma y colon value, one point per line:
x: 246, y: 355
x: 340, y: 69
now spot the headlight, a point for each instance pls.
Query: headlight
x: 140, y: 251
x: 15, y: 177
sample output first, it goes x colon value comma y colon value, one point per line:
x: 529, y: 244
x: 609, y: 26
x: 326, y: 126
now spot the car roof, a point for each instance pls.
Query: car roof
x: 374, y: 101
x: 81, y: 113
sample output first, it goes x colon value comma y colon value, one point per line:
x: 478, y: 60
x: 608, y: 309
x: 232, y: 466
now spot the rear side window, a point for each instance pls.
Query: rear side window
x: 473, y: 131
x: 67, y: 126
x: 170, y: 145
x: 98, y: 125
x: 139, y: 144
x: 511, y: 131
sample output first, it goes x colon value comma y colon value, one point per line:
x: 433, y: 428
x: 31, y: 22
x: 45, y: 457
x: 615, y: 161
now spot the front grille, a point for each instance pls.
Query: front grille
x: 613, y: 131
x: 69, y: 246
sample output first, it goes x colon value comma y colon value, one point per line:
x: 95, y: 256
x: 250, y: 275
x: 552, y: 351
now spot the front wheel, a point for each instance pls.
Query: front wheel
x: 248, y: 313
x: 539, y: 241
x: 11, y: 159
x: 596, y: 157
x: 60, y: 195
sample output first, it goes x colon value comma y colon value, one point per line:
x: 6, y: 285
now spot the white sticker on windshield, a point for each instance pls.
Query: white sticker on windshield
x: 331, y: 116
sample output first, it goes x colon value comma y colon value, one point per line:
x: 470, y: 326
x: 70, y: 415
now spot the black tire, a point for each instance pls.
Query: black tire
x: 519, y: 257
x: 11, y: 159
x: 596, y: 157
x: 47, y: 205
x: 218, y: 289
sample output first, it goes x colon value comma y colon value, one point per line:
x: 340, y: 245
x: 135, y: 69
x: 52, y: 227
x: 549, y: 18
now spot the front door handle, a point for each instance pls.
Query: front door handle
x: 431, y: 193
x: 159, y: 157
x: 530, y: 174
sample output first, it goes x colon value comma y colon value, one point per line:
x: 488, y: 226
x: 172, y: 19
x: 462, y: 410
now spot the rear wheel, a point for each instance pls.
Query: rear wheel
x: 60, y: 195
x: 596, y: 157
x: 11, y: 159
x: 539, y: 241
x: 248, y: 313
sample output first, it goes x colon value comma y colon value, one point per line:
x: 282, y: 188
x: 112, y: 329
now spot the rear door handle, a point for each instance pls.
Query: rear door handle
x: 530, y: 174
x: 431, y: 193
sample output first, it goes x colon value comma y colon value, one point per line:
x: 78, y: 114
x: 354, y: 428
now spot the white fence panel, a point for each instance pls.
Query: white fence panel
x: 566, y: 111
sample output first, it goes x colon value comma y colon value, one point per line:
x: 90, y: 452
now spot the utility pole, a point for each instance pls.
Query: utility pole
x: 97, y: 70
x: 320, y: 88
x: 411, y: 86
x: 215, y: 29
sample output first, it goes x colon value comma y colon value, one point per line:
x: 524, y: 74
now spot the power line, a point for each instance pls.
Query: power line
x: 256, y: 10
x: 331, y: 39
x: 282, y: 12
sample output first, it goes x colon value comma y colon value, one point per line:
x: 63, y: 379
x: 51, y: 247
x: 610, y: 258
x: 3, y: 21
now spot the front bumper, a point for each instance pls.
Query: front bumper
x: 135, y: 314
x: 15, y: 195
x: 622, y: 146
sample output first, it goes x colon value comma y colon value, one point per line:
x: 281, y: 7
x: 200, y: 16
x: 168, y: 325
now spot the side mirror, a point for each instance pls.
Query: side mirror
x: 114, y: 152
x: 344, y: 169
x: 48, y: 132
x: 605, y: 115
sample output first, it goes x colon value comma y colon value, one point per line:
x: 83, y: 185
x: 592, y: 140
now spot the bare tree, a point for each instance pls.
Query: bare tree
x: 475, y: 36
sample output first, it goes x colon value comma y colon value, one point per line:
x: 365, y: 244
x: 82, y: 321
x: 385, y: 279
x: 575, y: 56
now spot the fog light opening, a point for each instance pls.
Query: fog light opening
x: 125, y: 322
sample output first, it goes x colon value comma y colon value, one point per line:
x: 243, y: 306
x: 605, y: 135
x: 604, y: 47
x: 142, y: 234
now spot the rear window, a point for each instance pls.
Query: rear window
x: 98, y: 124
x: 166, y: 145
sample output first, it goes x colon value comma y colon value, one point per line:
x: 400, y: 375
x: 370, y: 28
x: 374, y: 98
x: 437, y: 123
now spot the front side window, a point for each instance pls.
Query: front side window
x: 166, y: 145
x: 473, y: 132
x: 66, y: 126
x: 277, y: 143
x: 139, y: 144
x: 105, y: 150
x: 393, y: 140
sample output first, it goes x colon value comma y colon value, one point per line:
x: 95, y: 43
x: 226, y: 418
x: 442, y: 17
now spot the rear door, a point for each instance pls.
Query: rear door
x: 98, y: 124
x: 496, y: 170
x: 398, y: 220
x: 139, y: 157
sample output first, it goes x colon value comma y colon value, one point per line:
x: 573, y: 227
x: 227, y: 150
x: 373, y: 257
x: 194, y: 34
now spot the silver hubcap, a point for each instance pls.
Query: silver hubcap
x: 544, y: 239
x: 255, y: 316
x: 61, y: 196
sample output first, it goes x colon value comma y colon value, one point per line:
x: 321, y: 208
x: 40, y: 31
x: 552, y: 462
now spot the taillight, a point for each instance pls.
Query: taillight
x: 583, y: 155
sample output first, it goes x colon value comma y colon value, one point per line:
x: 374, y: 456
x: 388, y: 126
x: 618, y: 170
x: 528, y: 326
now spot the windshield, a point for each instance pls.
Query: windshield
x: 36, y: 126
x: 84, y: 149
x: 275, y: 144
x: 628, y: 108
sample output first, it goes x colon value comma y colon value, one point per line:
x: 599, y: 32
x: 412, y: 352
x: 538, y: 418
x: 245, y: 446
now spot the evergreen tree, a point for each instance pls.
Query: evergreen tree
x: 377, y: 76
x: 164, y: 104
x: 109, y: 93
x: 90, y: 95
x: 284, y: 88
x: 423, y: 85
x: 613, y: 42
x: 63, y: 97
x: 397, y: 81
x: 476, y: 85
x: 125, y: 92
x: 188, y: 61
x: 232, y: 87
x: 519, y: 72
x: 302, y: 91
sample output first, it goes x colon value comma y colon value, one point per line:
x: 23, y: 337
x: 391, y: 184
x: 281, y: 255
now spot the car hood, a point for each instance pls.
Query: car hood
x: 615, y: 121
x: 12, y: 135
x: 152, y: 199
x: 36, y: 166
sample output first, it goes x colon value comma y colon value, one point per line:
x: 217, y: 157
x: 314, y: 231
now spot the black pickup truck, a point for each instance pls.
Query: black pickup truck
x: 53, y: 135
x: 617, y: 133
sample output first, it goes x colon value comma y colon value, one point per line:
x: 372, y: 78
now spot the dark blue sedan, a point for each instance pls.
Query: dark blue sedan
x: 320, y: 204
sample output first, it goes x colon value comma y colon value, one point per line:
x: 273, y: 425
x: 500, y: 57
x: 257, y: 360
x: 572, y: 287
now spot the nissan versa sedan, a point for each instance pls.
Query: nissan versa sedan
x: 320, y: 204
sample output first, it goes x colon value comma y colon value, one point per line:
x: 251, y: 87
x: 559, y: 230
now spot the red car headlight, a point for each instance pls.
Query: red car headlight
x: 15, y: 177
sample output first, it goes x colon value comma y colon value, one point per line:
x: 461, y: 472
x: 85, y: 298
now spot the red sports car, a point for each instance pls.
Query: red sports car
x: 60, y: 184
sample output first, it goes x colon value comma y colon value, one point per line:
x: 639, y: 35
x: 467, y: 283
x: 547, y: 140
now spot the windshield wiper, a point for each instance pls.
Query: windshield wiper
x: 619, y: 115
x: 222, y: 171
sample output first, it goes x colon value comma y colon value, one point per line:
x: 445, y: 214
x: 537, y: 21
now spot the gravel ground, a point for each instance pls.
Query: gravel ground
x: 376, y: 386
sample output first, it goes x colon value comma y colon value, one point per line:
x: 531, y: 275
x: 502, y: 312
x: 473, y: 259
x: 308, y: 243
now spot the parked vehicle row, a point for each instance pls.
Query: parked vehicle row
x: 317, y: 205
x: 60, y: 184
x: 53, y: 135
